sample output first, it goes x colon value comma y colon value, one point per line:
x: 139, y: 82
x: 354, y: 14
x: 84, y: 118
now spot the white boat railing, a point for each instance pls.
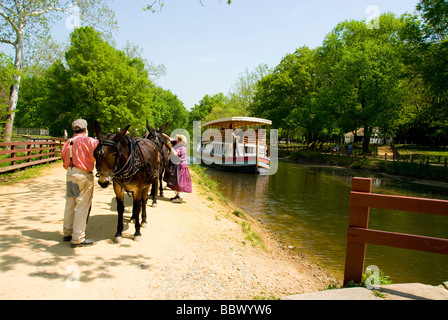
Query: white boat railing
x: 226, y: 149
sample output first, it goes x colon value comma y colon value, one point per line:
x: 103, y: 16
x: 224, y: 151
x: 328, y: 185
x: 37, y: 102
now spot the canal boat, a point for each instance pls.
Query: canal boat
x: 236, y: 144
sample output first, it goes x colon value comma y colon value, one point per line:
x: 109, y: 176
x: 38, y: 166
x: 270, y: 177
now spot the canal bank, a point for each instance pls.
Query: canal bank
x: 307, y: 206
x: 418, y: 170
x: 402, y: 291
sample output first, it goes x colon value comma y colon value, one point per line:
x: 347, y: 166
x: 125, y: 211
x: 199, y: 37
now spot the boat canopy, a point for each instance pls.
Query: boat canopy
x: 237, y: 122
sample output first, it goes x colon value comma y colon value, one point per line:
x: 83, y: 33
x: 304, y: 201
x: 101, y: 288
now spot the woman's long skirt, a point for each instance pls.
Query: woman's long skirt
x: 179, y: 179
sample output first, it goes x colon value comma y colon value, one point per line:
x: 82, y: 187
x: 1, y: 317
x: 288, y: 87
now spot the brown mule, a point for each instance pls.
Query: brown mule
x: 132, y: 166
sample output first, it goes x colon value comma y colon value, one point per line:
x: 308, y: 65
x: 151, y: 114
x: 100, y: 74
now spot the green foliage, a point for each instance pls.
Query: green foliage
x: 425, y: 52
x: 393, y: 77
x: 214, y: 107
x: 98, y: 82
x: 285, y: 95
x: 252, y: 236
x: 168, y: 109
x: 208, y: 183
x: 236, y: 103
x: 366, y: 69
x: 240, y: 213
x: 353, y: 80
x: 24, y: 24
x: 107, y: 85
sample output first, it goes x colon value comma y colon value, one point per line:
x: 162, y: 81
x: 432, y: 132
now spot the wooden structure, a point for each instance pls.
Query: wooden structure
x: 235, y: 144
x: 25, y: 154
x: 359, y: 234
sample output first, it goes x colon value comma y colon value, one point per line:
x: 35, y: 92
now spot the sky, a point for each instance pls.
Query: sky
x: 206, y: 48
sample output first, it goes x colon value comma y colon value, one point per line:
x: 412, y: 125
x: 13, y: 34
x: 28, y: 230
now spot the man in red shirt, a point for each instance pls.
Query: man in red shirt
x: 78, y: 159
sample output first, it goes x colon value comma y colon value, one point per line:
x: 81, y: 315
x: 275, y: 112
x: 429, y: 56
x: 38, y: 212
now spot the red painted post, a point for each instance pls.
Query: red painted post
x: 359, y: 218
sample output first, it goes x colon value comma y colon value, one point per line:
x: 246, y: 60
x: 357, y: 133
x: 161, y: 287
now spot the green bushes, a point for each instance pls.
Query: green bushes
x: 416, y: 170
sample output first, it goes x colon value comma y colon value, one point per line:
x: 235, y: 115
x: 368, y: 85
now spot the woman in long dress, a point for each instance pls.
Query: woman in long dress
x: 180, y: 178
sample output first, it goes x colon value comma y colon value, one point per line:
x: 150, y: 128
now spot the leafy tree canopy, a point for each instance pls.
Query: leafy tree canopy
x: 99, y: 83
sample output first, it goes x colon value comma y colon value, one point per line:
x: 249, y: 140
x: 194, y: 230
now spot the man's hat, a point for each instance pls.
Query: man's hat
x: 79, y: 125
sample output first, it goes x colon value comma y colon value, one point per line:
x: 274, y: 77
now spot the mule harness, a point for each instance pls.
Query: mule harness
x: 133, y: 164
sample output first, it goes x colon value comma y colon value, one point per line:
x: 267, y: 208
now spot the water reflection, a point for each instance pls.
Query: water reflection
x: 308, y: 207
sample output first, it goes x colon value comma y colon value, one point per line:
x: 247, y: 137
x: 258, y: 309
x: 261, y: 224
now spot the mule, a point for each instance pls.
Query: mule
x: 132, y: 166
x: 155, y: 135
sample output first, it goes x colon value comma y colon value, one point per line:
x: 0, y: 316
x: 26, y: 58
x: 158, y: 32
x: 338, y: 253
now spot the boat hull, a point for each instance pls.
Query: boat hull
x: 237, y: 164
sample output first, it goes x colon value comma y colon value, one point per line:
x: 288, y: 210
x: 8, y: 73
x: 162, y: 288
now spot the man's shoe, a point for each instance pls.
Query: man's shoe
x: 178, y: 200
x: 175, y: 198
x: 67, y: 238
x: 85, y: 243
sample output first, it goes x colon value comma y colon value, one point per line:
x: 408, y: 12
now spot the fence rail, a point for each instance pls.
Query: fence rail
x: 358, y: 233
x: 18, y: 155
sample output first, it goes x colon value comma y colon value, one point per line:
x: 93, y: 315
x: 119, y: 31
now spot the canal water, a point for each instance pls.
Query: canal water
x: 307, y: 206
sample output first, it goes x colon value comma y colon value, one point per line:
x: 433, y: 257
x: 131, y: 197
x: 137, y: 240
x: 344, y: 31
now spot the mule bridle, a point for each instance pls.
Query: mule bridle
x: 158, y: 140
x: 130, y: 168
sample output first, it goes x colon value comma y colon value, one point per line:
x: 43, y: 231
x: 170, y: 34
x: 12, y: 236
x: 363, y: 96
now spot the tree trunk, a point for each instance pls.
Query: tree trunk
x: 14, y: 91
x: 366, y: 141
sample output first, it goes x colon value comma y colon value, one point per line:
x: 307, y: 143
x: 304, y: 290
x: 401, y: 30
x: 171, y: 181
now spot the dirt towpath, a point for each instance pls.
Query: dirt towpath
x: 195, y: 250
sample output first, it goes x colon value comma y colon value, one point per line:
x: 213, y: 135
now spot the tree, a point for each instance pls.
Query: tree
x: 26, y: 21
x: 242, y: 93
x: 107, y: 84
x: 426, y: 52
x: 168, y: 109
x: 209, y: 108
x: 7, y: 71
x: 285, y: 95
x: 364, y: 74
x: 134, y: 51
x: 97, y: 82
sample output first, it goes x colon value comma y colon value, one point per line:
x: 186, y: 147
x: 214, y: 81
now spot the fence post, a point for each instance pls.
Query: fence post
x: 359, y: 218
x: 13, y: 155
x: 29, y: 146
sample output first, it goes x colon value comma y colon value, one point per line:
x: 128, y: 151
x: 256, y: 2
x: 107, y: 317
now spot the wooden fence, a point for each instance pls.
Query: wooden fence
x: 18, y: 155
x: 358, y: 233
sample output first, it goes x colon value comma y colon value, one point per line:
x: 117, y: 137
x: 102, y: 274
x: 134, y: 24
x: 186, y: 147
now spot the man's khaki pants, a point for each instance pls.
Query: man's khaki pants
x: 79, y: 199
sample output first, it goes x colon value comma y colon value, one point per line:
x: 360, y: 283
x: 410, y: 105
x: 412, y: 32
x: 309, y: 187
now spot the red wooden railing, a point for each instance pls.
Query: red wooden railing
x: 18, y: 155
x: 359, y: 234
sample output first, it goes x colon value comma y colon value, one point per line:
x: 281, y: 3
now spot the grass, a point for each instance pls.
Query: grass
x: 205, y: 181
x: 28, y: 173
x: 212, y: 187
x: 382, y: 279
x: 240, y: 213
x: 428, y: 151
x: 251, y: 236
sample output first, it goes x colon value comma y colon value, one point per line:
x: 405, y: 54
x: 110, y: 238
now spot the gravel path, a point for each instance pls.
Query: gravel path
x: 195, y: 250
